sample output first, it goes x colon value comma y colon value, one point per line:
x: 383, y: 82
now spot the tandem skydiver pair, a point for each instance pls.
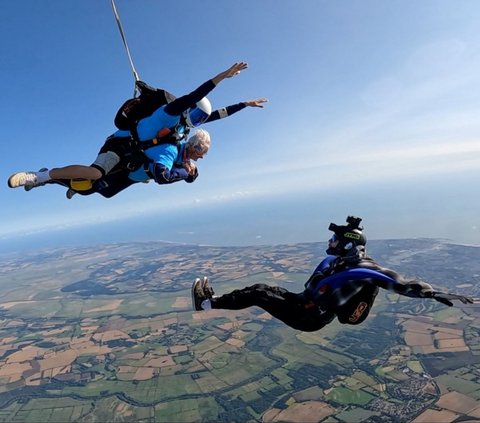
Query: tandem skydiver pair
x: 150, y: 144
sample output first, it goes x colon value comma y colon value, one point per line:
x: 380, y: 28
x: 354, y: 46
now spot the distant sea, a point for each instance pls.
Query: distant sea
x: 389, y: 214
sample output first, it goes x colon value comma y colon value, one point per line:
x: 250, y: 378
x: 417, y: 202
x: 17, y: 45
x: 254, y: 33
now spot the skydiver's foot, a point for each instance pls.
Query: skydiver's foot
x: 70, y: 193
x: 38, y: 184
x: 23, y: 179
x: 207, y: 289
x: 200, y: 299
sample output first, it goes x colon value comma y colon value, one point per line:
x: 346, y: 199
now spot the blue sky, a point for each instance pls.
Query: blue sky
x: 373, y: 101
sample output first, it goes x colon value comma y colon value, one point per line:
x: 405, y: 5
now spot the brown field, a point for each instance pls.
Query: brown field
x: 457, y: 332
x: 7, y: 340
x: 126, y: 369
x: 27, y: 353
x: 58, y: 359
x: 450, y: 343
x: 177, y: 349
x: 54, y: 332
x: 457, y: 402
x: 235, y: 342
x: 269, y: 415
x: 416, y: 326
x: 314, y: 393
x: 14, y: 369
x: 431, y: 349
x: 144, y: 373
x: 110, y: 335
x: 207, y: 315
x: 226, y: 326
x: 89, y: 348
x: 170, y: 321
x: 444, y: 335
x: 430, y: 416
x: 30, y: 382
x: 418, y: 339
x: 265, y: 316
x: 475, y: 412
x: 124, y: 410
x: 154, y: 326
x: 89, y: 328
x: 161, y: 362
x: 304, y: 412
x: 112, y: 305
x: 54, y: 372
x: 452, y: 320
x: 181, y: 302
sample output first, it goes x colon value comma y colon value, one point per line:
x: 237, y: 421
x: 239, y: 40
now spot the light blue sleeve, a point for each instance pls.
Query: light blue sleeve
x: 165, y: 154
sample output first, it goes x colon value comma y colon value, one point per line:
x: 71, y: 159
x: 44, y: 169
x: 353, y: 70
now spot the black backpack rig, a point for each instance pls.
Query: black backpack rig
x: 136, y: 109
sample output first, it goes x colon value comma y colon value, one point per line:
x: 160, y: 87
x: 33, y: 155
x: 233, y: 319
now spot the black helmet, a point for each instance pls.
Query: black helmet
x: 349, y: 236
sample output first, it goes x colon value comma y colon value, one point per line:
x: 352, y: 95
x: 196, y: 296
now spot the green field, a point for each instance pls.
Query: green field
x: 211, y: 376
x: 344, y: 395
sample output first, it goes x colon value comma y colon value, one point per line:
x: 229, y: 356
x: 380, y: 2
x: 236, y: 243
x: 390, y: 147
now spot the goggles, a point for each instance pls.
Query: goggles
x: 197, y: 116
x: 333, y: 239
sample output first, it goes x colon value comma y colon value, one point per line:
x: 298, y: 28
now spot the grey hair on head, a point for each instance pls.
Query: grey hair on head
x: 200, y: 141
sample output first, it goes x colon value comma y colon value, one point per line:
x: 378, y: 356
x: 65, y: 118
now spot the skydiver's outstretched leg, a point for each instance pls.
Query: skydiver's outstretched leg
x: 30, y: 180
x: 107, y: 186
x: 109, y: 156
x: 292, y: 309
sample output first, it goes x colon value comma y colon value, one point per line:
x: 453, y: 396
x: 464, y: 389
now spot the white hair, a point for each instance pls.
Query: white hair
x: 200, y: 141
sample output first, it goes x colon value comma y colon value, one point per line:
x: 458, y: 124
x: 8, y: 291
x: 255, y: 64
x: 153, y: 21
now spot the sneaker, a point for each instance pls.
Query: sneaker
x: 207, y: 289
x: 29, y: 187
x: 198, y: 297
x: 22, y: 179
x: 70, y: 193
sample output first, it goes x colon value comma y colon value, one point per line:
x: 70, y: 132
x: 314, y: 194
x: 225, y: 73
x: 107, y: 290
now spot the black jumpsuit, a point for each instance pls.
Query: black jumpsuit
x: 317, y: 306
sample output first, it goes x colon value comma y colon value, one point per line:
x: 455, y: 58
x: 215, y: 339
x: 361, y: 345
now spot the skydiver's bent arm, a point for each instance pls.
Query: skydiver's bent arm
x: 163, y: 175
x: 191, y: 177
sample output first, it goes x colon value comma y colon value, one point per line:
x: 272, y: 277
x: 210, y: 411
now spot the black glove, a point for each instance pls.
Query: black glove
x: 445, y: 298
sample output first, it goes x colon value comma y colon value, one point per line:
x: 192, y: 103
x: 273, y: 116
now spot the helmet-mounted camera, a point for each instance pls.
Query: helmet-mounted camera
x: 348, y: 236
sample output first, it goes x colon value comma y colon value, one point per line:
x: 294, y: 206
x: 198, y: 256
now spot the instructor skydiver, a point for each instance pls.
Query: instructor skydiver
x: 344, y: 285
